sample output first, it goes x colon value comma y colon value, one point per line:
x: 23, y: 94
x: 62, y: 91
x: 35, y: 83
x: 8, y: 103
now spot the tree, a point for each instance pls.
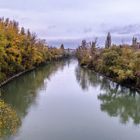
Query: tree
x: 62, y: 46
x: 122, y: 64
x: 22, y: 31
x: 28, y: 33
x: 108, y: 41
x: 134, y: 41
x: 20, y: 50
x: 84, y: 43
x: 93, y: 46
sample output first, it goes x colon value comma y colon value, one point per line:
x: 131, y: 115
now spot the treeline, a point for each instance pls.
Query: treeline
x: 21, y: 50
x: 121, y: 63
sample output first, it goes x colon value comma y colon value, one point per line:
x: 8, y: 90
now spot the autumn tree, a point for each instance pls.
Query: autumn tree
x: 21, y: 50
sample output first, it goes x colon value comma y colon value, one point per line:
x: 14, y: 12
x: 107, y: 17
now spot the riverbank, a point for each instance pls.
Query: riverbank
x: 120, y: 64
x: 21, y: 50
x: 15, y: 76
x: 132, y: 87
x: 29, y: 70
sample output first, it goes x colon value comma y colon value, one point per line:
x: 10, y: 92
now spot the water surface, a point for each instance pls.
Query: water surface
x: 62, y: 101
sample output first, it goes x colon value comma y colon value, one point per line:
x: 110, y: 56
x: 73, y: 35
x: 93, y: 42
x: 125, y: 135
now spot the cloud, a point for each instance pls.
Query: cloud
x: 74, y: 18
x: 87, y: 30
x: 125, y: 30
x: 52, y: 27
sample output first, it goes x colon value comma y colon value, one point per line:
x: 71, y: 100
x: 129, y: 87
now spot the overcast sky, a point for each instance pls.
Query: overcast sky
x: 53, y: 19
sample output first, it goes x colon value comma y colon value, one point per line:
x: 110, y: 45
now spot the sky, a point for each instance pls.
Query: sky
x: 75, y: 19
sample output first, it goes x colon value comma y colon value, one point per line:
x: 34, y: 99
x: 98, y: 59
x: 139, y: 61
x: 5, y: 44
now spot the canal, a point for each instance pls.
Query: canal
x: 62, y: 101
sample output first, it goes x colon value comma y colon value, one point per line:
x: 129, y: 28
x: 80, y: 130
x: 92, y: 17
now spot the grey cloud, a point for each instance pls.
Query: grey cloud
x: 52, y: 27
x: 87, y: 30
x: 128, y: 29
x: 74, y: 18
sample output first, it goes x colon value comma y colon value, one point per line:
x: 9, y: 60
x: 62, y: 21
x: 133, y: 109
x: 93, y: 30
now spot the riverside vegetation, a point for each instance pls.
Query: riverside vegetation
x: 21, y: 50
x: 120, y: 63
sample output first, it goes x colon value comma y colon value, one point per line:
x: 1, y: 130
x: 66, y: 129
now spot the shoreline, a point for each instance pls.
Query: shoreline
x: 29, y: 70
x: 85, y: 67
x: 113, y: 80
x: 16, y: 76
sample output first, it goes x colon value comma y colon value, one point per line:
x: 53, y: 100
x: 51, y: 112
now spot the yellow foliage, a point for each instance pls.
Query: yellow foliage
x: 9, y: 121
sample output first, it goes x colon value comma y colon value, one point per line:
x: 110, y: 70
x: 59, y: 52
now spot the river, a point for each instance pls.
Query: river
x: 61, y: 101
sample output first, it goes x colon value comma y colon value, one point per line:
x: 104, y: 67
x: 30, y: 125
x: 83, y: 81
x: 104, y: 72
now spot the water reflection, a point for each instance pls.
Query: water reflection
x: 66, y: 112
x: 86, y: 78
x: 116, y: 100
x: 121, y: 102
x: 21, y: 93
